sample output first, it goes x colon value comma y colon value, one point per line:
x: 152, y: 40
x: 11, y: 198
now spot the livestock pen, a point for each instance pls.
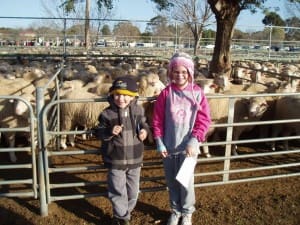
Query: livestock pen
x: 78, y: 172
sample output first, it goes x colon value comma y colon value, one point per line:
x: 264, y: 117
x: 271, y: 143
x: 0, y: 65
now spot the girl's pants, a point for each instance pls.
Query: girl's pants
x: 123, y: 190
x: 182, y: 200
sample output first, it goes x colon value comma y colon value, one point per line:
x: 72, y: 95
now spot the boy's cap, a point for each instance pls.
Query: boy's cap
x: 125, y: 86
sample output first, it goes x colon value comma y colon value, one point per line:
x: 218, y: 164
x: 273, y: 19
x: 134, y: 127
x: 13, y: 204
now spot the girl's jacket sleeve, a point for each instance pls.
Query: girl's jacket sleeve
x: 158, y: 120
x: 203, y: 120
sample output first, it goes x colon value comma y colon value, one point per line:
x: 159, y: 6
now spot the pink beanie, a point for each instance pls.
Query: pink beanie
x: 181, y: 59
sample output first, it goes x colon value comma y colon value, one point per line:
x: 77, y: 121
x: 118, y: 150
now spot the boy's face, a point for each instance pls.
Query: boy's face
x: 122, y: 101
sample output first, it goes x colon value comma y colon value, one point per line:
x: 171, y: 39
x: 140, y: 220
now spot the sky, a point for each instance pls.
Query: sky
x: 125, y: 9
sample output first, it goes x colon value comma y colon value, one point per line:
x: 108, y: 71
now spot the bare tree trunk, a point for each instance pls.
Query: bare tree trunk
x: 87, y: 24
x: 221, y: 60
x: 226, y: 12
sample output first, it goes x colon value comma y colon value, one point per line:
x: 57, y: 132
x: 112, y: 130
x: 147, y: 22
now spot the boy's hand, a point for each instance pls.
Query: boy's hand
x: 117, y: 129
x: 143, y: 134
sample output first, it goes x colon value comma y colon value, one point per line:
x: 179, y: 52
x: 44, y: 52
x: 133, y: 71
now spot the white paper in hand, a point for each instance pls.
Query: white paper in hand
x: 186, y: 171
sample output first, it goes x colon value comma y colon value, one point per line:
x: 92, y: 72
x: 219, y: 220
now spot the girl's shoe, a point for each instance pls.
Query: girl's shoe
x: 186, y: 219
x: 117, y: 221
x: 174, y: 218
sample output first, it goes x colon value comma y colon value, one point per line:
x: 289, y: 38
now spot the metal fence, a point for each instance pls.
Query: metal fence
x: 19, y: 179
x: 64, y: 42
x: 61, y: 174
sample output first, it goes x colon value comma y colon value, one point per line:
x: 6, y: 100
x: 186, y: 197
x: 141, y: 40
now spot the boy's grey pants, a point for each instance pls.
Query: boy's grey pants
x: 182, y: 200
x: 123, y: 190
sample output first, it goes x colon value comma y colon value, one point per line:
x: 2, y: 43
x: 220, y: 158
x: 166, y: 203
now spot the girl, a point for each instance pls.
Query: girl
x: 180, y: 122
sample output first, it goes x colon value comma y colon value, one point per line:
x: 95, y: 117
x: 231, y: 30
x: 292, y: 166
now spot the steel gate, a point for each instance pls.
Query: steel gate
x: 24, y: 183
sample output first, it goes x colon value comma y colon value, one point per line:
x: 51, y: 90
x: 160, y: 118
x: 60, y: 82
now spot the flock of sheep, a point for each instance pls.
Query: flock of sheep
x: 90, y: 79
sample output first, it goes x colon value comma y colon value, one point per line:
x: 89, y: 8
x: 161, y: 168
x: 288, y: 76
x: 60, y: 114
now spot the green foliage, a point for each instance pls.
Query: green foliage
x: 69, y: 5
x: 158, y: 26
x: 292, y: 34
x: 209, y: 34
x: 105, y: 3
x: 106, y: 30
x: 126, y: 29
x: 146, y: 36
x: 274, y: 19
x: 163, y: 4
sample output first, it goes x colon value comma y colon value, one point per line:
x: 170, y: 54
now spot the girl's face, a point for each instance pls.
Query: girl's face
x: 122, y: 101
x: 180, y: 76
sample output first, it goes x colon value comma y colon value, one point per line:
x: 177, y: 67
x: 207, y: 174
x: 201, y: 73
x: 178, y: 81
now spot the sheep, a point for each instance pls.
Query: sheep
x: 246, y: 110
x: 14, y: 113
x: 207, y: 85
x: 103, y: 78
x: 150, y: 85
x: 100, y: 89
x: 163, y: 75
x: 286, y: 108
x: 83, y: 114
x: 16, y: 86
x: 100, y: 85
x: 71, y: 85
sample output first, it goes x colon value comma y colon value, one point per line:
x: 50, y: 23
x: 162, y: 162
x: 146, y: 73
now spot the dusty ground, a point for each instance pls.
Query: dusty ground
x: 275, y: 201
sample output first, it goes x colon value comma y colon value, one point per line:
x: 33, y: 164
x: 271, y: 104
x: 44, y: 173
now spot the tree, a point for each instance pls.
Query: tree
x: 291, y: 33
x: 69, y: 6
x: 273, y: 19
x: 159, y: 27
x: 195, y: 14
x: 226, y: 13
x: 126, y: 29
x: 105, y: 30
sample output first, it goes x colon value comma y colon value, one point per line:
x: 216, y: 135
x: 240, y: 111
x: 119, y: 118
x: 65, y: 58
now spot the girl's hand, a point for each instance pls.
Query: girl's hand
x: 117, y: 129
x: 189, y: 151
x: 143, y: 134
x: 164, y: 154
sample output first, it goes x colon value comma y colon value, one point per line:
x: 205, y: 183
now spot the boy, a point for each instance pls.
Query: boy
x: 122, y: 130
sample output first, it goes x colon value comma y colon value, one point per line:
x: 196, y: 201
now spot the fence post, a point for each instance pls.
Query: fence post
x: 65, y: 38
x: 41, y: 149
x: 229, y: 138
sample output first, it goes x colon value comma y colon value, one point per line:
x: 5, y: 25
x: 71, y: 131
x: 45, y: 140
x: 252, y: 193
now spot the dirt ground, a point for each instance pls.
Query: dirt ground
x: 274, y: 201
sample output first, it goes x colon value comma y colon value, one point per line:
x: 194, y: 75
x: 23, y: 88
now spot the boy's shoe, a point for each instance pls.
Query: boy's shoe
x: 174, y: 218
x: 117, y: 221
x: 186, y: 219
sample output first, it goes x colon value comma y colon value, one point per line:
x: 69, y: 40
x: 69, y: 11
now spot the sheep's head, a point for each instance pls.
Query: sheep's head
x: 21, y: 108
x: 257, y: 106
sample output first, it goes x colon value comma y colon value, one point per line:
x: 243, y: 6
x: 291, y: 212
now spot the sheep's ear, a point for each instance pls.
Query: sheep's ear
x: 33, y: 102
x: 245, y: 101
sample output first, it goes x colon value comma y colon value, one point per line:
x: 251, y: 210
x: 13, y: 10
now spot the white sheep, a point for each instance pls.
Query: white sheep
x: 70, y: 85
x: 246, y: 110
x: 16, y: 86
x: 99, y: 89
x: 14, y: 113
x: 150, y: 85
x: 84, y: 114
x: 286, y: 108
